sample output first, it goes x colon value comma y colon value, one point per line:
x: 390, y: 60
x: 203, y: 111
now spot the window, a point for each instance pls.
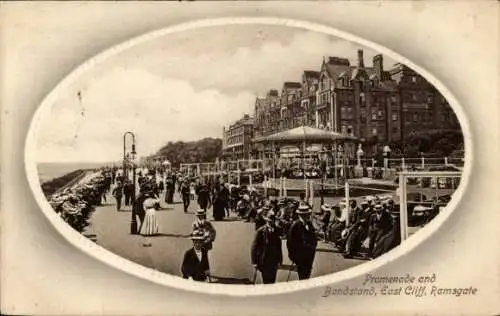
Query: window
x: 394, y: 117
x: 393, y: 98
x: 415, y: 117
x: 362, y: 97
x: 379, y: 114
x: 374, y: 116
x: 349, y: 110
x: 374, y: 131
x: 414, y: 97
x: 344, y: 129
x: 414, y: 79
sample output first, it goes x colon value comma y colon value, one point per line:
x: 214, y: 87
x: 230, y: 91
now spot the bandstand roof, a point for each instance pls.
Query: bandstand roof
x: 305, y: 133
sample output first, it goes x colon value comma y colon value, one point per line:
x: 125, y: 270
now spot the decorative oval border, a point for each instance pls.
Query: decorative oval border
x: 106, y: 256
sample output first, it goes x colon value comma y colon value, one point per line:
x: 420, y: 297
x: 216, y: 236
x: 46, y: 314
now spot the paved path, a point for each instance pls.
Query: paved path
x: 229, y: 260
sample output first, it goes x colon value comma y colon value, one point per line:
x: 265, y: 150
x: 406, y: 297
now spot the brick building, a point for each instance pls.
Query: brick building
x: 237, y: 139
x: 422, y: 107
x: 375, y: 104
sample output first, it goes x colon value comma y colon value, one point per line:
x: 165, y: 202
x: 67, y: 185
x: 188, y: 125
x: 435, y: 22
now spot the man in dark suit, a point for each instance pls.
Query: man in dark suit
x: 128, y: 190
x: 185, y: 192
x: 380, y: 223
x: 266, y: 249
x: 138, y: 207
x: 302, y: 242
x: 195, y: 262
x: 118, y: 193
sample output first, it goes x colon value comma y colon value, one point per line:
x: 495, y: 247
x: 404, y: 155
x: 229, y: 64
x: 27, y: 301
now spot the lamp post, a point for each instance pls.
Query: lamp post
x: 130, y: 158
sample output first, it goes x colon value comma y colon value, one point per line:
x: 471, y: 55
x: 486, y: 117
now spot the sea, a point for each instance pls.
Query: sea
x: 51, y: 170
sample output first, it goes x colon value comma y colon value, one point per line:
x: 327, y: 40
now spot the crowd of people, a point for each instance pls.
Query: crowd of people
x: 373, y: 226
x: 372, y: 230
x: 76, y: 204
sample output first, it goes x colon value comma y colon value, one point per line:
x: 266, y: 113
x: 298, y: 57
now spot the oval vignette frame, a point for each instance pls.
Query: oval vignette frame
x: 118, y: 262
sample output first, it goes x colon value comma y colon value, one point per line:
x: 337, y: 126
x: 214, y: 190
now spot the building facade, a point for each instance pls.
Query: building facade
x: 422, y: 107
x: 237, y: 139
x: 374, y: 104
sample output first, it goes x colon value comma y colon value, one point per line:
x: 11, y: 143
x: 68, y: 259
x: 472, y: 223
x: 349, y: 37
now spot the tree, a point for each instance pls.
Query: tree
x: 204, y: 150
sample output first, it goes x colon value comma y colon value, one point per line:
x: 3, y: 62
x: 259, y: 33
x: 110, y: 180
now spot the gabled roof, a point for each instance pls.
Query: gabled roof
x: 311, y: 74
x: 293, y: 85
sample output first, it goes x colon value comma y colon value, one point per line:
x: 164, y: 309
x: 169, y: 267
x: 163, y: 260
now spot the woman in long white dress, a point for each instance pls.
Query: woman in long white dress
x: 149, y: 226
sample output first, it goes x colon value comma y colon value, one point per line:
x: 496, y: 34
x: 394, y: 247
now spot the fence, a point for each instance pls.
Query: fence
x: 417, y: 200
x: 420, y: 195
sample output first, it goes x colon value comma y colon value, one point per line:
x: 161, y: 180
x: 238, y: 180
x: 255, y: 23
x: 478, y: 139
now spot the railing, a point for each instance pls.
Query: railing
x: 418, y: 163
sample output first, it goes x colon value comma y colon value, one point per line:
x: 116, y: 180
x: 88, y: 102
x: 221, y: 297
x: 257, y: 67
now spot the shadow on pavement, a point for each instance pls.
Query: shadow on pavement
x: 165, y: 209
x: 226, y: 280
x: 172, y: 235
x: 327, y: 250
x: 231, y: 219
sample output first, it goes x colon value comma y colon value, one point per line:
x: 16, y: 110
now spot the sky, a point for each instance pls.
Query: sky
x: 183, y: 86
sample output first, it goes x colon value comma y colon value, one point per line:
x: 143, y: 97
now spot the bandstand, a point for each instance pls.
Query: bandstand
x: 339, y: 148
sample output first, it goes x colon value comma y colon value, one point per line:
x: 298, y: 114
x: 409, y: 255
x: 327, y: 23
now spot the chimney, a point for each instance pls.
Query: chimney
x: 361, y: 62
x: 378, y: 64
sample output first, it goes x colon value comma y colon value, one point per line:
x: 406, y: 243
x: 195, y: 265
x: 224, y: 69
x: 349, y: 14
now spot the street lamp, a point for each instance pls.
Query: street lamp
x: 130, y: 158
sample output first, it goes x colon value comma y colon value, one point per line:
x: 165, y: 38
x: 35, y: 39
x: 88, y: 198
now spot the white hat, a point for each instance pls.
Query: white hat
x: 326, y: 207
x: 304, y: 209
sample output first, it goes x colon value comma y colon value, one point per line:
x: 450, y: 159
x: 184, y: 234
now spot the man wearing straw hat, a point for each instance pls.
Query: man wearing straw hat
x: 302, y: 242
x: 266, y: 249
x: 380, y: 223
x: 195, y: 262
x: 201, y: 224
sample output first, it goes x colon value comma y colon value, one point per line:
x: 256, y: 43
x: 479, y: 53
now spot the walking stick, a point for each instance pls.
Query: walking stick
x: 254, y: 278
x: 290, y: 271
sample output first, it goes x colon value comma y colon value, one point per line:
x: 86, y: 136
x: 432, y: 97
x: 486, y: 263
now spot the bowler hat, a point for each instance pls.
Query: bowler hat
x: 378, y: 207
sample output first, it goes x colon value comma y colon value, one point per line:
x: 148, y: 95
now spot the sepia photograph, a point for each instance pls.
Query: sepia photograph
x: 249, y: 154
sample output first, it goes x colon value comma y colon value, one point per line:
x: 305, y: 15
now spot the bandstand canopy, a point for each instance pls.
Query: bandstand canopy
x: 305, y: 134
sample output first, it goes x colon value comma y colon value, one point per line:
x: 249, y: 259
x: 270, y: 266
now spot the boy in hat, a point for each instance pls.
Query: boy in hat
x: 302, y: 242
x: 201, y: 224
x: 266, y: 249
x: 195, y: 262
